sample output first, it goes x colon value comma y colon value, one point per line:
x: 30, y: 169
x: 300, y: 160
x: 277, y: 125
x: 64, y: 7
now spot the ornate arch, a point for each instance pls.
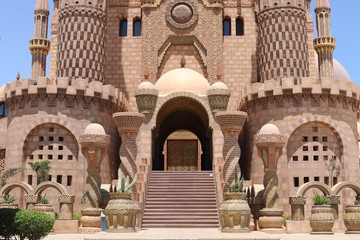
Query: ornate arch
x: 341, y: 185
x: 10, y: 186
x: 313, y: 118
x: 49, y: 184
x: 201, y: 100
x: 318, y: 185
x: 49, y: 119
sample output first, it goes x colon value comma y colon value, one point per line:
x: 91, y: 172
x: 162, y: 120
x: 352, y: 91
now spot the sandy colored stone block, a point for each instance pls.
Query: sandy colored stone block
x: 66, y: 226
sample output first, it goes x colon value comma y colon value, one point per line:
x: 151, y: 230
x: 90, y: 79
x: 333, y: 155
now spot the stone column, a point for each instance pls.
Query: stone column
x: 297, y: 208
x: 128, y: 124
x: 66, y: 206
x: 94, y: 145
x: 269, y: 143
x: 31, y: 200
x: 231, y: 123
x: 334, y: 201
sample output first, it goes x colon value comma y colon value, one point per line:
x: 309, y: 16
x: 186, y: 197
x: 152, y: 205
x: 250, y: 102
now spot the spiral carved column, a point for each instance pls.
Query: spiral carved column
x: 231, y: 123
x: 128, y: 124
x: 94, y: 145
x: 269, y: 143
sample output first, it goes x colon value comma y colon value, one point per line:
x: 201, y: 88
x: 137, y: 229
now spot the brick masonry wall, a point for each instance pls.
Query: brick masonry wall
x: 123, y: 55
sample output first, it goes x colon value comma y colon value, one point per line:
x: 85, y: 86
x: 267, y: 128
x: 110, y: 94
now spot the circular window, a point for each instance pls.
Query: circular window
x: 181, y: 13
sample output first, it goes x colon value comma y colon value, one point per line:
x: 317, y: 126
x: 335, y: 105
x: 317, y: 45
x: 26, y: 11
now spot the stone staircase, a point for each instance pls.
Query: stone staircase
x: 181, y: 200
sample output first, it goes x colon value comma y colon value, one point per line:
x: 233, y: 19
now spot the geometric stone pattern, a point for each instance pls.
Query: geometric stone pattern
x: 283, y: 43
x: 81, y: 43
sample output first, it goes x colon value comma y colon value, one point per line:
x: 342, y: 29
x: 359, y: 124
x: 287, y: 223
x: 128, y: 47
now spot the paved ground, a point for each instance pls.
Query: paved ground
x: 198, y: 234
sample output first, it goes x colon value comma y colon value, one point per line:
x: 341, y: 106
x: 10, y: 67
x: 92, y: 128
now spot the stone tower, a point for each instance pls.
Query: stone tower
x: 39, y: 45
x: 324, y: 44
x: 283, y: 48
x: 54, y: 39
x: 81, y: 39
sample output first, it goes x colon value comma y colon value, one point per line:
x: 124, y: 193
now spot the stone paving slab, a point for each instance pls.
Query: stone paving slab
x: 198, y: 234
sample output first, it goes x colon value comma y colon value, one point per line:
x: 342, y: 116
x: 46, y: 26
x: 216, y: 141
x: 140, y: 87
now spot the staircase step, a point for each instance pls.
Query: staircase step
x: 181, y: 199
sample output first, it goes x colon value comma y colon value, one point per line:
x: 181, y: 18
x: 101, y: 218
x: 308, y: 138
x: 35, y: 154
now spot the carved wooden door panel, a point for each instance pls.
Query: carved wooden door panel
x: 182, y: 155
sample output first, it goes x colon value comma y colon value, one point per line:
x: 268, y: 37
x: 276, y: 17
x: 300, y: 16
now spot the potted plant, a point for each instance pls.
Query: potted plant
x: 44, y: 206
x: 352, y: 217
x: 235, y: 211
x: 322, y: 218
x: 8, y: 202
x: 121, y: 211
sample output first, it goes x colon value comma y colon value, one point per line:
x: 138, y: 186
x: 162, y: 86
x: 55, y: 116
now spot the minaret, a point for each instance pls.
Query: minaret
x: 283, y: 46
x: 81, y: 46
x: 39, y: 45
x: 54, y: 39
x: 324, y: 44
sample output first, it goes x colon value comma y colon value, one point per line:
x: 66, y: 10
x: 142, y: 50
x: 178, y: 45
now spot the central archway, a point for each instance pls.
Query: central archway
x: 182, y: 113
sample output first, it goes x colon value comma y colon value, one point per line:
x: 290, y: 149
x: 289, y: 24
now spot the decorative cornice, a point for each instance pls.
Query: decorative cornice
x: 260, y: 96
x: 71, y: 93
x: 96, y: 139
x: 269, y: 139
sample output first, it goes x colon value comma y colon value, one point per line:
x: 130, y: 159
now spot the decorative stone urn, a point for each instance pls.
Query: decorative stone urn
x: 352, y: 219
x: 45, y: 208
x: 121, y: 213
x: 235, y: 213
x: 269, y: 143
x: 146, y: 97
x: 321, y: 219
x: 218, y: 96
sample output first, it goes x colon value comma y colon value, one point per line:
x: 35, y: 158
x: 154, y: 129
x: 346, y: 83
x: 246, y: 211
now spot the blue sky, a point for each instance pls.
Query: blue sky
x: 16, y: 29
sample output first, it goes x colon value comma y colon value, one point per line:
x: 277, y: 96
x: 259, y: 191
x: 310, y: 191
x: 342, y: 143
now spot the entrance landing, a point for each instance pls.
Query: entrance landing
x: 198, y: 234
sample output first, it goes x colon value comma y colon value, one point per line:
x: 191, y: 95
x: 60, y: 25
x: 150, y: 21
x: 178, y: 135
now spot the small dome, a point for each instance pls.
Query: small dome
x: 219, y: 85
x: 146, y: 85
x: 269, y: 129
x: 182, y: 79
x: 95, y: 128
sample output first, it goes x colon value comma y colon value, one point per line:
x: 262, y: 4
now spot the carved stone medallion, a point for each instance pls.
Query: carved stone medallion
x: 181, y: 13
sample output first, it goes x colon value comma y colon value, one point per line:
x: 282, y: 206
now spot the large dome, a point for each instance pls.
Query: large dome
x: 340, y: 72
x: 182, y: 79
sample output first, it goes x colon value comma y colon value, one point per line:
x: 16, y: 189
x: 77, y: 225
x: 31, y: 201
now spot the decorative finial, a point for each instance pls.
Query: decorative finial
x: 218, y: 74
x: 146, y: 74
x: 18, y: 76
x: 183, y: 62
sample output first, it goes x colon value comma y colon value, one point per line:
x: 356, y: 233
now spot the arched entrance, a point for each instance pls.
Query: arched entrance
x: 177, y: 116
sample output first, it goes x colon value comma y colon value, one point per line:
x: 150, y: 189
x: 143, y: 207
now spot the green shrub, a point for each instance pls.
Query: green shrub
x: 238, y: 185
x: 76, y: 217
x: 7, y: 222
x: 33, y: 225
x: 43, y: 200
x: 9, y: 199
x: 320, y: 200
x: 357, y: 202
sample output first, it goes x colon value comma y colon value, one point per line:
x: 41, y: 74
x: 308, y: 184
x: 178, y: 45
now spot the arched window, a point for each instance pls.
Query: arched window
x: 137, y: 27
x: 123, y: 28
x: 239, y: 26
x: 227, y: 26
x: 3, y: 112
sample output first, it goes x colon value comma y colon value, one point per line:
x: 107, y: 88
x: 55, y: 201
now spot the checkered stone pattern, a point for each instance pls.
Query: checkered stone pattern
x: 283, y: 43
x: 2, y: 160
x: 81, y: 51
